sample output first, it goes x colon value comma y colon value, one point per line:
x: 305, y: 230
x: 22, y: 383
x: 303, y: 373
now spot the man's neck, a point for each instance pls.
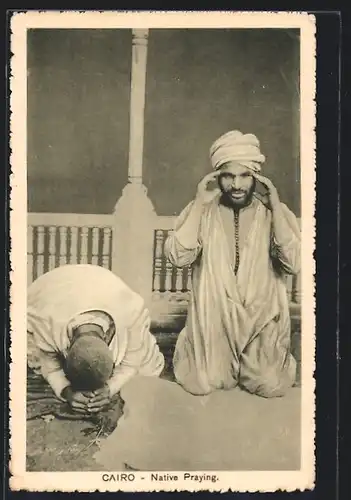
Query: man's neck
x: 88, y: 329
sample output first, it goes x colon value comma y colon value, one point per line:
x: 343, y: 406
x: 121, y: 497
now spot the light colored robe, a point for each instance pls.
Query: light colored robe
x: 68, y: 296
x: 238, y: 326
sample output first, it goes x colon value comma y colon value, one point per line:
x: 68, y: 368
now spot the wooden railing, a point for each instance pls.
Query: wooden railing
x: 166, y: 277
x: 57, y: 239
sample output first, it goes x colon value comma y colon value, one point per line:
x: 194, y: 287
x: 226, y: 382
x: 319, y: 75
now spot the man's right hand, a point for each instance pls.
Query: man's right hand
x: 77, y: 400
x: 204, y: 195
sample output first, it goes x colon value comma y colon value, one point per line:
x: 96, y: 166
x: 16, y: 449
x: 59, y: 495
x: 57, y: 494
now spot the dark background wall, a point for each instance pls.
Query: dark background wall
x: 78, y: 119
x: 200, y: 84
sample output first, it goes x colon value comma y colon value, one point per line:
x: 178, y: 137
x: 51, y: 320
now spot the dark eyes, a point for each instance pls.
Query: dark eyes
x: 230, y: 176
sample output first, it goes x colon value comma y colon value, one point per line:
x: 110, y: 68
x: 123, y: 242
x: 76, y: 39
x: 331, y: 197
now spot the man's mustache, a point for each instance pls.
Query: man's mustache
x: 236, y: 191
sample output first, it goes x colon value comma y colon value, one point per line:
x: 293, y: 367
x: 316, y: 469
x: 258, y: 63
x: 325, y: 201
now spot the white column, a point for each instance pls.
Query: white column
x: 137, y: 105
x: 134, y: 215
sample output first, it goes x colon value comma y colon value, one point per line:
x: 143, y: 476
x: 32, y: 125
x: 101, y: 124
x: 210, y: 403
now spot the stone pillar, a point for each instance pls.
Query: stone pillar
x: 137, y: 106
x: 134, y: 214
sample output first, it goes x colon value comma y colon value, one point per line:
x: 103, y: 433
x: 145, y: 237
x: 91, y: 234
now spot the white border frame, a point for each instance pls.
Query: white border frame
x: 249, y: 481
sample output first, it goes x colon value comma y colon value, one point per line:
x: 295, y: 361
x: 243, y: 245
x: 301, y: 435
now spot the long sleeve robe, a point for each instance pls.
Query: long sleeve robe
x: 72, y: 295
x: 238, y: 326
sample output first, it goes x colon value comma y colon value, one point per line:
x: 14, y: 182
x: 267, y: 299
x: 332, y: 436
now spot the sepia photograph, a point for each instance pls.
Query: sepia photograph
x: 162, y: 226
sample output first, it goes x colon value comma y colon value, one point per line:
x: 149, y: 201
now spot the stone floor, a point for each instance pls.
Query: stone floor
x: 64, y: 445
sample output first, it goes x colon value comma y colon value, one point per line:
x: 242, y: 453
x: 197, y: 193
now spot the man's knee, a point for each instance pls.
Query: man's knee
x: 272, y: 389
x: 270, y: 385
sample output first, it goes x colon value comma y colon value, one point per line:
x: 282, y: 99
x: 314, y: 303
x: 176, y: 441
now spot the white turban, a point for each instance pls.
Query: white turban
x: 238, y: 147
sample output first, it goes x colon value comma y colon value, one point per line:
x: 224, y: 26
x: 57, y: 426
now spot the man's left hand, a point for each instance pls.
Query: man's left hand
x: 101, y: 399
x: 272, y: 190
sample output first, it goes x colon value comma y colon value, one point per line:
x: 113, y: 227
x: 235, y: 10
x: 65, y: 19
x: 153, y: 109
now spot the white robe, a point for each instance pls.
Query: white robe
x: 238, y: 326
x: 63, y: 297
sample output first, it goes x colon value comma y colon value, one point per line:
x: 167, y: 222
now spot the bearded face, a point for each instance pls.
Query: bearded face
x: 237, y: 184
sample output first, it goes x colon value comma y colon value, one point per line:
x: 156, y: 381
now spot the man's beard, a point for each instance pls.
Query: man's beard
x: 229, y: 199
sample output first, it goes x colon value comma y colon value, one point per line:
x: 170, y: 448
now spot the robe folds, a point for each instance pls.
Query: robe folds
x: 68, y: 295
x: 237, y: 330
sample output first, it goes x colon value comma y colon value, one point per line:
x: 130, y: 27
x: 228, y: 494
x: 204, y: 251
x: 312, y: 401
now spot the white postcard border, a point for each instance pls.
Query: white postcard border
x: 241, y: 481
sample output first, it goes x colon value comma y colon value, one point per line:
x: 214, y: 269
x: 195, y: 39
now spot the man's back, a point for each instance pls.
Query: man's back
x: 67, y: 291
x: 77, y: 275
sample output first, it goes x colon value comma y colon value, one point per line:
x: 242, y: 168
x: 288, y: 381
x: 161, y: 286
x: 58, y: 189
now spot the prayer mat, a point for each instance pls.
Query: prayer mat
x: 164, y: 428
x: 41, y: 402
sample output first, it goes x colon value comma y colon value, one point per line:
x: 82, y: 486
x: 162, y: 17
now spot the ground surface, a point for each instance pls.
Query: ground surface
x: 61, y: 445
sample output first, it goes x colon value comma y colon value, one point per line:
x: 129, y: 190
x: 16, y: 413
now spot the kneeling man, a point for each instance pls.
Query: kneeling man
x: 88, y: 334
x: 241, y: 242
